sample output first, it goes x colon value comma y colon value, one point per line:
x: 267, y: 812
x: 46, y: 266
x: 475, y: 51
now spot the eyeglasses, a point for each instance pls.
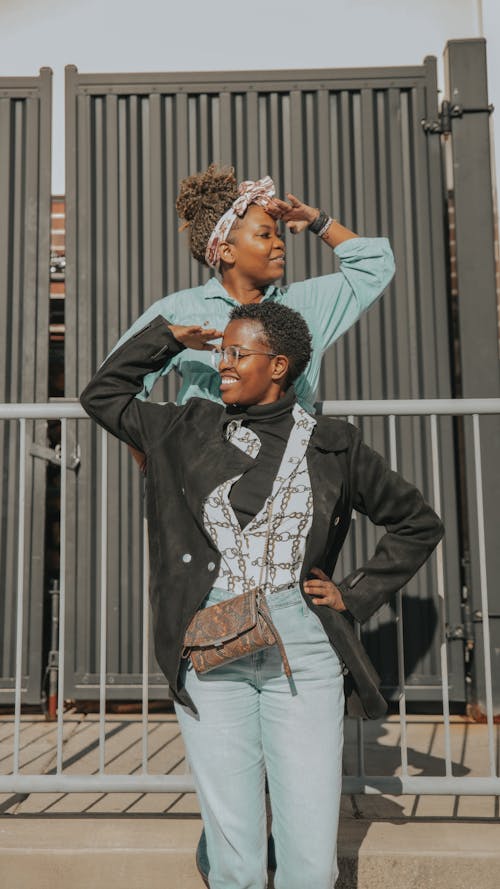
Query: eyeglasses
x: 233, y: 354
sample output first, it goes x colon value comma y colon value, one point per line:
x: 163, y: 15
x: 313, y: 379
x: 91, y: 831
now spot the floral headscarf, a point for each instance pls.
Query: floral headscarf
x: 260, y: 192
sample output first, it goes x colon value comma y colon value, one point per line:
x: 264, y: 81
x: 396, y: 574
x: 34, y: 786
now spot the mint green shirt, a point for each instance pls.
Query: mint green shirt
x: 330, y: 304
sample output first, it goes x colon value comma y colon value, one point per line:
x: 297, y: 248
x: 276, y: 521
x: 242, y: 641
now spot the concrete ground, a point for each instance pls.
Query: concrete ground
x: 147, y: 841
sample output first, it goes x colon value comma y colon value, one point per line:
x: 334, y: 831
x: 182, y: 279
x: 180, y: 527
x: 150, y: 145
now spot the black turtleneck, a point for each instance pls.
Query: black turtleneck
x: 272, y: 423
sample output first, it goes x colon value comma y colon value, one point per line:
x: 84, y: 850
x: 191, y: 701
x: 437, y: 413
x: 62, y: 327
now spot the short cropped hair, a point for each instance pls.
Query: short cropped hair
x: 284, y: 330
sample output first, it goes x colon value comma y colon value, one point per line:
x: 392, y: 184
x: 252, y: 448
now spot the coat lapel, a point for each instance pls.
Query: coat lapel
x: 215, y: 461
x: 327, y: 481
x: 219, y: 518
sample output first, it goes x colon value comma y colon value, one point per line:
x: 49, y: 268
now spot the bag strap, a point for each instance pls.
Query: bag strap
x: 265, y: 565
x: 263, y: 610
x: 262, y: 606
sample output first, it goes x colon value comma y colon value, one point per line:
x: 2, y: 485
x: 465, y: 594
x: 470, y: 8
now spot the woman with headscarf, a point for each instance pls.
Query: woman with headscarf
x: 233, y: 229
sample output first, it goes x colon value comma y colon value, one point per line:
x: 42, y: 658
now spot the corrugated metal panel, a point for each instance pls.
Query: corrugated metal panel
x: 348, y: 140
x: 25, y: 159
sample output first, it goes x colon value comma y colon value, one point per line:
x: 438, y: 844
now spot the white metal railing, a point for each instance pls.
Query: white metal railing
x: 59, y: 781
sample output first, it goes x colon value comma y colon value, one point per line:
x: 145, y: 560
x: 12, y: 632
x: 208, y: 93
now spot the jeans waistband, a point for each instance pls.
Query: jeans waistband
x: 277, y: 594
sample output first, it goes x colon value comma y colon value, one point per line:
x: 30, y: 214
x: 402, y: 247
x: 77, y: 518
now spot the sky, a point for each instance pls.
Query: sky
x: 126, y: 35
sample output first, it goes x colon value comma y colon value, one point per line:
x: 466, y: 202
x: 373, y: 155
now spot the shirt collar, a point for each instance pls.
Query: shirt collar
x: 215, y: 290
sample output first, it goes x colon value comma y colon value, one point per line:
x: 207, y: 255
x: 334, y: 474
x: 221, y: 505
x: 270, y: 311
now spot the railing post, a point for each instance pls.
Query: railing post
x: 478, y: 355
x: 467, y: 91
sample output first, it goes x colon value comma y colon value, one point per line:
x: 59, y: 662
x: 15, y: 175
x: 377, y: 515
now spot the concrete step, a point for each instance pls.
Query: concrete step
x: 98, y: 853
x: 433, y: 854
x: 157, y: 852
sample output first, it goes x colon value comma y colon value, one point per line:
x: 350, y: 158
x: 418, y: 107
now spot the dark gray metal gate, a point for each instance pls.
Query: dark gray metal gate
x: 349, y: 140
x: 25, y: 160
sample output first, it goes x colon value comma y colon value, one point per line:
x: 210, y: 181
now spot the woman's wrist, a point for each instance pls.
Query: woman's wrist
x: 320, y: 224
x: 331, y: 231
x: 312, y: 214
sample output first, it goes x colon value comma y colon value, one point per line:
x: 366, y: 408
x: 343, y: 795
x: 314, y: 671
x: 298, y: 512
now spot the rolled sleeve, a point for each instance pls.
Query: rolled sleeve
x: 338, y: 300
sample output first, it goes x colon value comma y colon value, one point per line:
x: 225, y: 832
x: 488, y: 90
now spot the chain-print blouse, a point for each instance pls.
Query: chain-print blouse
x: 242, y: 550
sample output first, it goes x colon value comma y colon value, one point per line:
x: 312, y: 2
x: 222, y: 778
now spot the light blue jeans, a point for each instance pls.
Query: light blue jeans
x: 252, y: 720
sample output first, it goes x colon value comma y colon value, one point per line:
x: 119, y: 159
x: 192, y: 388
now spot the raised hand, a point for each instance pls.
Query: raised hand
x: 295, y: 214
x: 324, y: 591
x: 195, y: 337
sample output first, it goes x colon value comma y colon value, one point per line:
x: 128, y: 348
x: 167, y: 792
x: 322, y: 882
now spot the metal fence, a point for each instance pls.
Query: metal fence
x: 347, y: 139
x: 25, y: 160
x: 430, y: 414
x: 367, y: 144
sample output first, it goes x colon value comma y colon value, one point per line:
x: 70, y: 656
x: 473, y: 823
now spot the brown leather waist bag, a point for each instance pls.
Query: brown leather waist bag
x: 230, y: 630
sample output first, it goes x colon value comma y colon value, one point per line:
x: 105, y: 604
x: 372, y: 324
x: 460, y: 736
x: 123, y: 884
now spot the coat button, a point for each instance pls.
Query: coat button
x: 211, y: 566
x: 187, y: 558
x: 336, y: 520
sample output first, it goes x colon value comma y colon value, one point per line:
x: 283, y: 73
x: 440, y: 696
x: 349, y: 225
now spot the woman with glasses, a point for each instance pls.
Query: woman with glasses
x: 255, y: 492
x: 236, y: 230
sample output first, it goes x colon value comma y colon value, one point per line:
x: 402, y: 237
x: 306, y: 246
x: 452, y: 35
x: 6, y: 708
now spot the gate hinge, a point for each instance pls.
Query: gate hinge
x: 478, y: 617
x: 457, y: 632
x: 447, y: 111
x: 53, y: 455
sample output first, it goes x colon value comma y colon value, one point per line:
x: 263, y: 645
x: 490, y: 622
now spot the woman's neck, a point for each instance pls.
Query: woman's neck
x: 241, y: 290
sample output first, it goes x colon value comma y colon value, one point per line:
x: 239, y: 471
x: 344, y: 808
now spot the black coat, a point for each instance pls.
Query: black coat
x: 188, y: 456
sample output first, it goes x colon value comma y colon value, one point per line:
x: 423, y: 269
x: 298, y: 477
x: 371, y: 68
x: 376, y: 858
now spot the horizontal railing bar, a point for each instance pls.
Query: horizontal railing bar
x: 100, y: 783
x: 373, y: 408
x: 424, y: 784
x: 411, y: 407
x: 47, y: 411
x: 440, y: 786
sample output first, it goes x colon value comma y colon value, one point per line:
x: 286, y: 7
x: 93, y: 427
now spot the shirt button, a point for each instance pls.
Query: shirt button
x: 211, y: 566
x: 336, y: 520
x: 187, y: 558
